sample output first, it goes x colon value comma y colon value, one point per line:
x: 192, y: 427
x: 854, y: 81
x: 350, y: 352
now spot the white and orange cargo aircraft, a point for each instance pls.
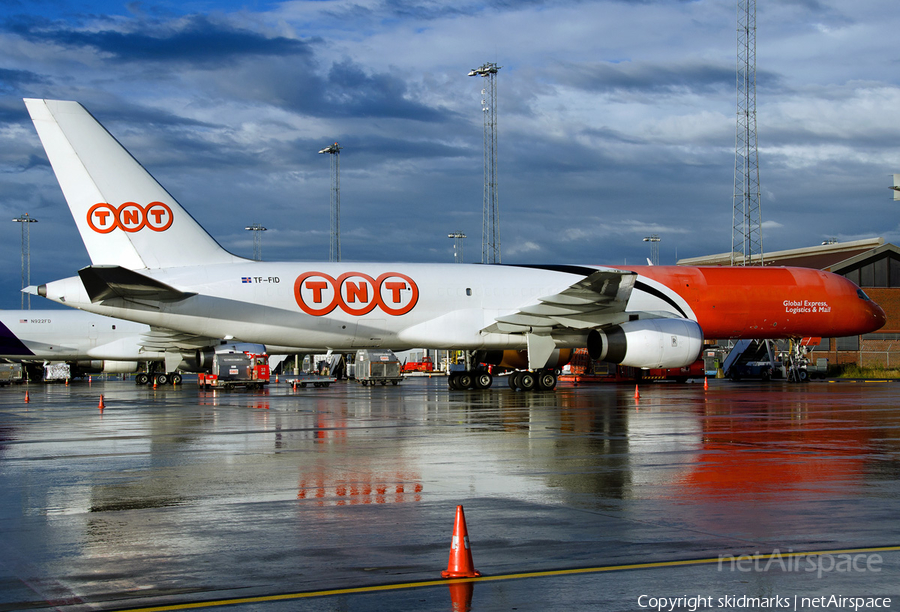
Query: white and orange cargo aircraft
x: 153, y: 263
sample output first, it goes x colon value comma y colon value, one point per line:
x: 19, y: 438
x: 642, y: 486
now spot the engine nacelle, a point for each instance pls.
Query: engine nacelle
x: 106, y: 366
x: 651, y: 343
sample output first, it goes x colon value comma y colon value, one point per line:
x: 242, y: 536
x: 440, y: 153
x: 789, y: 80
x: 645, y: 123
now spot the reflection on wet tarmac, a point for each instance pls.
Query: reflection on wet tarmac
x: 175, y: 491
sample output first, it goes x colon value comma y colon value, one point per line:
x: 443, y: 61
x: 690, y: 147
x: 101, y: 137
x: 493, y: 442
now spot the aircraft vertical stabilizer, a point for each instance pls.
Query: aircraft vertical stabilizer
x: 124, y: 215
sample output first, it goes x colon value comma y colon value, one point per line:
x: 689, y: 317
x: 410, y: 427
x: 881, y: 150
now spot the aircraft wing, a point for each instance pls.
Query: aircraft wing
x: 107, y: 282
x: 162, y: 339
x: 598, y: 299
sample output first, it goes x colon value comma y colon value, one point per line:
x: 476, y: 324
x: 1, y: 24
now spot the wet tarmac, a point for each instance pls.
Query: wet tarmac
x: 283, y: 500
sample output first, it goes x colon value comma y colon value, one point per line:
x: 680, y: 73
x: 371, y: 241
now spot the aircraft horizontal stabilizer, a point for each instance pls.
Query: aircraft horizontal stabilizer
x: 109, y: 282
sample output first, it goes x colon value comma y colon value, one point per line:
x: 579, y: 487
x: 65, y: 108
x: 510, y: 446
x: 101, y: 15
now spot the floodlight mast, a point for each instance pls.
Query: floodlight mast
x: 654, y: 249
x: 334, y: 247
x: 26, y: 222
x: 457, y: 246
x: 257, y: 230
x: 490, y: 216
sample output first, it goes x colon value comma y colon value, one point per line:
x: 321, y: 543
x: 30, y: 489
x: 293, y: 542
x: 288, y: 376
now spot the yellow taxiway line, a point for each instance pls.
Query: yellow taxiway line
x: 540, y: 574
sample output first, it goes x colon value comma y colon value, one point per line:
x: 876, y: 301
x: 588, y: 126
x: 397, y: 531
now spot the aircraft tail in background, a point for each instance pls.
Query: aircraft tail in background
x: 125, y: 217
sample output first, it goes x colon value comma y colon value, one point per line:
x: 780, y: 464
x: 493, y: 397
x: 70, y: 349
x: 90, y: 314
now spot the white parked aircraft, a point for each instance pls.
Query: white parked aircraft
x: 153, y: 263
x: 93, y: 344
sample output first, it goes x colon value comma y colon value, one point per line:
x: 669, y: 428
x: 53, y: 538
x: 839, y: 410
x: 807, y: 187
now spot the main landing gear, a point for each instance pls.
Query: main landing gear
x: 524, y: 380
x: 478, y: 379
x: 160, y: 378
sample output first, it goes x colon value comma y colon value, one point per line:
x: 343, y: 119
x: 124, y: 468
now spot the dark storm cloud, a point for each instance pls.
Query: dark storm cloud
x: 349, y: 90
x: 655, y: 78
x: 195, y: 40
x: 344, y: 90
x: 11, y: 80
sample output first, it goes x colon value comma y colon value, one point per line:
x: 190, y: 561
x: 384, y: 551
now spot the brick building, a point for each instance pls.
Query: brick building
x: 871, y: 264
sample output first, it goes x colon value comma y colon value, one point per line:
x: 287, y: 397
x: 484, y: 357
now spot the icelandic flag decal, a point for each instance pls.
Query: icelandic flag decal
x: 245, y: 279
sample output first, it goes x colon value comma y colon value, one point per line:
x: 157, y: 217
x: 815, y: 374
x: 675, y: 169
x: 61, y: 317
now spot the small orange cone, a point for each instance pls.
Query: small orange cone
x: 101, y: 406
x: 27, y: 399
x: 460, y: 564
x: 705, y: 383
x: 154, y: 382
x: 637, y: 394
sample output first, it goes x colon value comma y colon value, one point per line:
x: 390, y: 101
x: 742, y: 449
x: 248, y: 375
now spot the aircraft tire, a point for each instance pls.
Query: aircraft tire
x: 546, y: 380
x: 176, y: 379
x: 527, y: 381
x: 162, y: 379
x: 513, y: 380
x: 141, y: 379
x: 465, y: 380
x: 483, y: 379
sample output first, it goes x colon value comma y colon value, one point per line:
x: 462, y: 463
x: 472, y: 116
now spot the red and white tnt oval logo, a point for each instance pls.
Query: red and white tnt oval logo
x: 129, y: 217
x: 355, y: 293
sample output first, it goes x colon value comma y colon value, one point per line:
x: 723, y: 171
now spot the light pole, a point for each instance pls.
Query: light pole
x: 457, y: 246
x: 257, y: 229
x: 25, y: 220
x: 654, y: 249
x: 490, y: 215
x: 334, y: 249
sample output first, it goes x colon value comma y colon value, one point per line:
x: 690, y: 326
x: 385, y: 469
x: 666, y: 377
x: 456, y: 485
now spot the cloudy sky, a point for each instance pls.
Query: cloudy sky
x: 616, y: 120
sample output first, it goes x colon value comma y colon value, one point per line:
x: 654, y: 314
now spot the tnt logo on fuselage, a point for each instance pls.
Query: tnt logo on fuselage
x: 129, y: 217
x: 355, y: 293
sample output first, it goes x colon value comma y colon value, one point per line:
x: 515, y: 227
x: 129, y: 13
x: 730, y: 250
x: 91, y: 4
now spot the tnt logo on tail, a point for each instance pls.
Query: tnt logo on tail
x: 129, y: 217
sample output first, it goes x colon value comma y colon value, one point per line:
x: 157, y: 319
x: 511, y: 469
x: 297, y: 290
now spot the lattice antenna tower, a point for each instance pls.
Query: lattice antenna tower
x: 490, y: 216
x: 746, y: 234
x: 334, y: 247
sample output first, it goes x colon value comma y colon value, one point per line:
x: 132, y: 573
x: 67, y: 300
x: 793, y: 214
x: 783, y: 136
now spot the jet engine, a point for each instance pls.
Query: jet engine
x: 106, y: 366
x: 645, y: 343
x: 649, y: 343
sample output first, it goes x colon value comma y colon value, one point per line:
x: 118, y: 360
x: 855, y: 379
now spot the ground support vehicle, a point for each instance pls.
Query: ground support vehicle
x: 232, y: 367
x: 11, y: 373
x: 56, y: 372
x: 316, y: 380
x: 377, y: 366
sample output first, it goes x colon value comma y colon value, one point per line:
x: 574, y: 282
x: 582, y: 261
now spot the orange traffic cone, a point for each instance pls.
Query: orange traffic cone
x: 101, y: 405
x: 460, y: 564
x: 637, y: 394
x: 705, y: 383
x: 27, y: 399
x: 461, y: 596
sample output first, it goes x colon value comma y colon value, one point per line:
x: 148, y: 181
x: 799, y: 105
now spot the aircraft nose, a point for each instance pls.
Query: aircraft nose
x: 878, y: 317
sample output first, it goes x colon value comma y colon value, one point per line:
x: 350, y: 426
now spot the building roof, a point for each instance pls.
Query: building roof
x: 855, y: 260
x: 818, y: 257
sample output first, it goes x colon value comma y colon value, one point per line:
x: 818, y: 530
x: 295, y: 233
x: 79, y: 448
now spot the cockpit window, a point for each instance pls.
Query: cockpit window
x: 862, y: 295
